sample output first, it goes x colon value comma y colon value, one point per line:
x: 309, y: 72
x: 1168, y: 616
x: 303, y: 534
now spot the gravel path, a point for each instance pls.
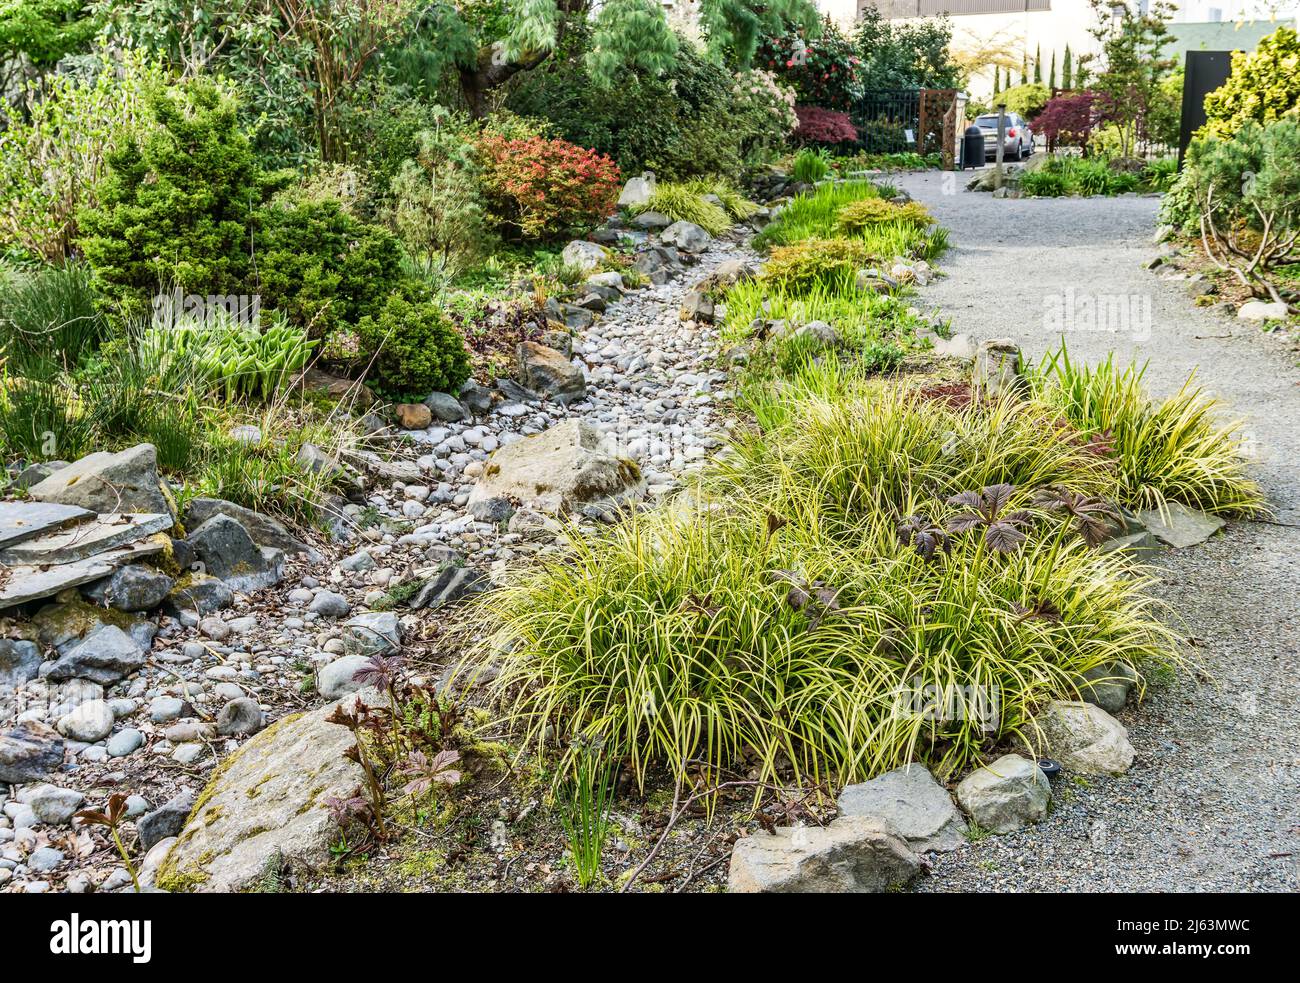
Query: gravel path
x: 1212, y: 802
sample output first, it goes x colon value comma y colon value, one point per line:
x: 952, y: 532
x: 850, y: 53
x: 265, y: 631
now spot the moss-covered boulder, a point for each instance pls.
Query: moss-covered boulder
x: 267, y: 799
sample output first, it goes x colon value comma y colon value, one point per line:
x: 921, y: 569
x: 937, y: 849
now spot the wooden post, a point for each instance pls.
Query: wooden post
x: 1002, y: 135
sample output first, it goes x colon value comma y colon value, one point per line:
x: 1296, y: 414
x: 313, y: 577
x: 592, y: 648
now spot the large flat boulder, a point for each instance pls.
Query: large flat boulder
x: 912, y: 802
x: 853, y: 855
x: 87, y: 539
x: 102, y: 482
x: 30, y: 582
x: 20, y: 521
x: 1178, y: 526
x: 569, y: 465
x: 267, y: 799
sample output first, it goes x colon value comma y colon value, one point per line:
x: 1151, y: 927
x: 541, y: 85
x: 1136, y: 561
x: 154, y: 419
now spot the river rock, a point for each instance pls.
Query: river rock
x: 20, y: 661
x: 566, y: 466
x: 686, y: 236
x: 105, y: 656
x: 165, y: 821
x: 229, y: 553
x: 28, y: 752
x: 372, y: 633
x: 132, y: 588
x: 547, y: 372
x: 90, y: 722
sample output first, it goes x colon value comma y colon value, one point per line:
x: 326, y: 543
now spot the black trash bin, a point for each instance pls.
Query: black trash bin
x: 972, y: 147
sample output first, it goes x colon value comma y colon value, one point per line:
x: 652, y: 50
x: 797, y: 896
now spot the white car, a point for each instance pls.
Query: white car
x: 1018, y: 140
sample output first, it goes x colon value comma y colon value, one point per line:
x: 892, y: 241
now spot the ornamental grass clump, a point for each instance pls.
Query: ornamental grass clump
x: 870, y: 213
x: 875, y: 580
x: 1177, y: 449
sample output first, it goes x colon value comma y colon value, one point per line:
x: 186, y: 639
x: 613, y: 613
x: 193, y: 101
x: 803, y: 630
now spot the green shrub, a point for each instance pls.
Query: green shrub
x: 320, y: 266
x: 810, y: 165
x: 438, y: 208
x: 1043, y: 183
x: 416, y: 350
x: 814, y: 214
x: 1161, y: 174
x: 718, y: 635
x: 237, y: 360
x: 867, y: 213
x: 177, y: 202
x: 1264, y: 87
x: 53, y: 153
x: 812, y: 263
x: 49, y: 321
x: 1026, y: 100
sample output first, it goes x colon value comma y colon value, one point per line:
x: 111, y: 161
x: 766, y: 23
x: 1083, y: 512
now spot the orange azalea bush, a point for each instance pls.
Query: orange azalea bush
x: 547, y: 189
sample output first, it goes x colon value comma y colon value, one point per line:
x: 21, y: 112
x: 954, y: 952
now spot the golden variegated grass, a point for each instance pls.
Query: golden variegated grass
x: 674, y: 638
x: 1177, y: 449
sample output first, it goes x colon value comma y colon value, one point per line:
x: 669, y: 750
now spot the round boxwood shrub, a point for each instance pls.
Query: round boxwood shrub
x: 413, y: 349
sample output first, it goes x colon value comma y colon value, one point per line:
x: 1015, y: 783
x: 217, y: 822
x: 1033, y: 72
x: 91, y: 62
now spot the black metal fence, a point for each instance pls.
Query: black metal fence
x: 888, y: 120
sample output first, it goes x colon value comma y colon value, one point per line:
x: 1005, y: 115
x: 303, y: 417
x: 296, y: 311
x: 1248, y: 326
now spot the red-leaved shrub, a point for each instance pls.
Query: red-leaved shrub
x: 817, y: 125
x: 547, y: 188
x: 1068, y: 120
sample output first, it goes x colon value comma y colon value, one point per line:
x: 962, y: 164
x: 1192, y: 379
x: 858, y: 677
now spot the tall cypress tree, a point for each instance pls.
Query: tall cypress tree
x: 1067, y: 70
x: 997, y: 82
x: 1052, y: 79
x: 1024, y: 68
x: 1038, y: 64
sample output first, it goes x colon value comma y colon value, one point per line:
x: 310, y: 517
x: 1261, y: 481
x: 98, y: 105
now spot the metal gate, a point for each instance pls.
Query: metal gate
x: 891, y: 121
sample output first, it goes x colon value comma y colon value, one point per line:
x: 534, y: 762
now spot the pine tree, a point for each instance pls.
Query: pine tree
x: 1067, y: 70
x: 1038, y: 65
x: 627, y: 35
x: 1052, y: 78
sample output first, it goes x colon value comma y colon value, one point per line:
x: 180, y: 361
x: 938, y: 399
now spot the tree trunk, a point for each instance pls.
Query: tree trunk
x: 491, y: 71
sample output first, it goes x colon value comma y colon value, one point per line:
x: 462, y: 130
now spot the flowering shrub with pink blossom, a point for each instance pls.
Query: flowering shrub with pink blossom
x: 825, y: 70
x: 762, y: 113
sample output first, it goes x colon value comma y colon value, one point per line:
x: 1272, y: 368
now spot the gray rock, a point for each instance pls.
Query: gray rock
x: 568, y: 465
x: 1085, y: 738
x: 269, y: 799
x: 651, y: 221
x: 637, y: 190
x: 547, y: 372
x: 90, y: 722
x: 262, y: 529
x: 358, y: 562
x: 1258, y: 310
x: 55, y: 805
x: 999, y: 368
x: 1178, y: 526
x: 819, y: 331
x: 167, y: 820
x: 373, y: 633
x: 446, y: 407
x: 133, y: 588
x: 1108, y: 686
x: 200, y: 594
x: 106, y: 656
x: 911, y: 802
x: 583, y: 255
x: 493, y: 510
x: 686, y: 236
x: 336, y: 679
x: 450, y: 585
x: 240, y: 717
x: 90, y: 539
x: 228, y: 552
x: 476, y: 398
x: 44, y: 859
x: 1005, y: 795
x: 22, y: 521
x: 103, y: 482
x: 697, y: 305
x: 854, y: 854
x: 28, y: 752
x: 329, y: 604
x: 124, y: 742
x: 20, y: 661
x: 165, y: 709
